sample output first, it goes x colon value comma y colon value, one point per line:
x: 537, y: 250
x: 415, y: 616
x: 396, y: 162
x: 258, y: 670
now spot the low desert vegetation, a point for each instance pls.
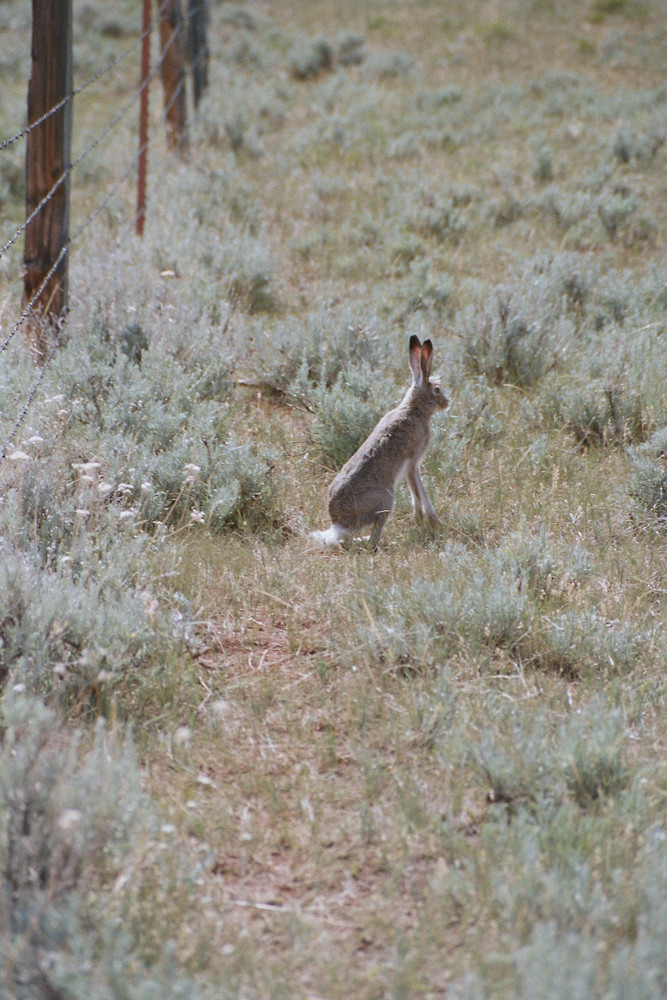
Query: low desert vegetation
x: 232, y: 764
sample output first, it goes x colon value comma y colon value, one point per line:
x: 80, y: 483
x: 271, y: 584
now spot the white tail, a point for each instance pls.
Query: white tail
x: 331, y: 536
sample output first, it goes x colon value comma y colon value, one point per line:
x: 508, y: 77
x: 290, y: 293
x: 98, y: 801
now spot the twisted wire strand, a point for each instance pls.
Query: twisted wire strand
x: 31, y: 395
x: 57, y: 342
x: 93, y: 79
x: 89, y: 148
x: 66, y: 246
x: 87, y: 222
x: 5, y: 344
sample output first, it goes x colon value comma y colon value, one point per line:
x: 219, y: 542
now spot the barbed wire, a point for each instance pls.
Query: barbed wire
x: 24, y: 225
x: 57, y: 343
x: 95, y: 213
x: 89, y: 148
x: 5, y: 344
x: 119, y: 242
x: 88, y: 83
x: 31, y: 395
x: 126, y: 173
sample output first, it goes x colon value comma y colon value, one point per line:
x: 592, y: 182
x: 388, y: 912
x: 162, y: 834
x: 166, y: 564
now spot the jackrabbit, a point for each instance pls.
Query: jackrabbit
x: 363, y: 491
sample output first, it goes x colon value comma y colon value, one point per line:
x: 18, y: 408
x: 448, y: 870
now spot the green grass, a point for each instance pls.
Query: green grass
x: 433, y: 771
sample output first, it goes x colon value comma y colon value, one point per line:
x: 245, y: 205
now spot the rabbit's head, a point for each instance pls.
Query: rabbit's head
x: 423, y: 389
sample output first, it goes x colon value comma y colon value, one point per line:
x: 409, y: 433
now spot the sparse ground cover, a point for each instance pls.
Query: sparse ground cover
x: 436, y: 771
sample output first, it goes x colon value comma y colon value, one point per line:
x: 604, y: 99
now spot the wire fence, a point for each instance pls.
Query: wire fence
x: 72, y: 240
x: 110, y: 66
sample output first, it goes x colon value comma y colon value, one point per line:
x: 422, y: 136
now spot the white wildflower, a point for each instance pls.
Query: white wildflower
x: 183, y: 736
x: 69, y: 819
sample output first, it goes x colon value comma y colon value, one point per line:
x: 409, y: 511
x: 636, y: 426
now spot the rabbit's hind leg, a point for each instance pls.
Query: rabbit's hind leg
x: 378, y: 525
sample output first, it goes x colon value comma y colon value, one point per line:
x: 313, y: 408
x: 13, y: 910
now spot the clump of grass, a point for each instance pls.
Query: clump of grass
x: 580, y: 645
x: 517, y: 769
x: 350, y: 50
x: 467, y: 609
x: 424, y: 288
x: 159, y: 437
x: 440, y: 98
x: 515, y: 601
x: 538, y: 568
x: 239, y: 17
x: 525, y: 762
x: 387, y: 65
x: 561, y: 958
x: 613, y: 398
x: 443, y: 215
x: 496, y: 32
x: 543, y: 170
x: 614, y: 211
x: 637, y: 147
x: 633, y: 9
x: 649, y: 488
x: 247, y: 269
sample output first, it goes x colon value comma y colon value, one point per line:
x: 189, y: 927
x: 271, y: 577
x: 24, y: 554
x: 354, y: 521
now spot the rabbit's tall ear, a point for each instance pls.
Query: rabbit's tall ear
x: 415, y: 360
x: 426, y: 359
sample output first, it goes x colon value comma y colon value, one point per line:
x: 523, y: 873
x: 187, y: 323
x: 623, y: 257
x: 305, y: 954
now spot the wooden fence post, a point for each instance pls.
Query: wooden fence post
x: 198, y: 12
x: 173, y: 74
x: 48, y: 152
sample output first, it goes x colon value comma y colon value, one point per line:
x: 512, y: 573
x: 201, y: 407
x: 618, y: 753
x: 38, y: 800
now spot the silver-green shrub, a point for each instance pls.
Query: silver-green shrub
x: 80, y: 628
x: 156, y: 438
x: 315, y: 350
x: 346, y: 413
x: 74, y: 822
x: 523, y: 329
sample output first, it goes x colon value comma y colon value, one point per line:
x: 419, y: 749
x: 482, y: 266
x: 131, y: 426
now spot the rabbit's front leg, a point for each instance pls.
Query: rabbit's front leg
x: 413, y: 483
x: 420, y: 499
